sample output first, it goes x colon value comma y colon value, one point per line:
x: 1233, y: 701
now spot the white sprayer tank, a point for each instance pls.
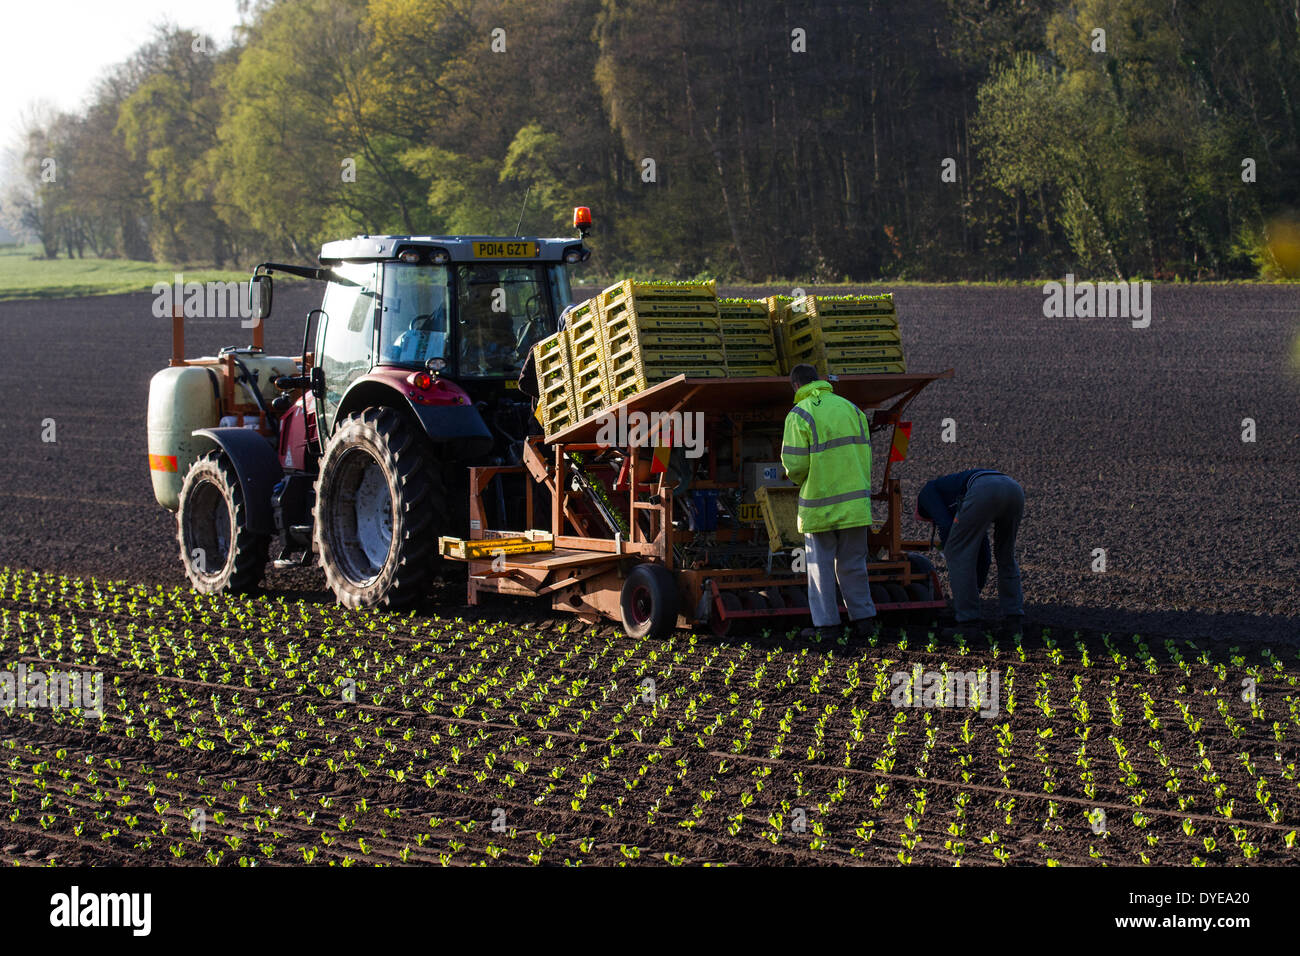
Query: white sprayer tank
x: 181, y: 399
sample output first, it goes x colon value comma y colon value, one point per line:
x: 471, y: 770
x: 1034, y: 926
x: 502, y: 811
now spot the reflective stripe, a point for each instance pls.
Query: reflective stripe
x: 807, y: 416
x: 837, y: 442
x: 792, y: 450
x: 834, y: 499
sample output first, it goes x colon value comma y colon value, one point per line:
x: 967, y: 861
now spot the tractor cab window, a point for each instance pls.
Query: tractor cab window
x: 344, y: 334
x: 502, y: 311
x: 415, y: 323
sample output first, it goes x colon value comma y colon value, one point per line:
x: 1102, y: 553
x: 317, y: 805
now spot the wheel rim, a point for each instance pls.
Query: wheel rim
x: 208, y: 529
x: 640, y: 606
x: 361, y: 516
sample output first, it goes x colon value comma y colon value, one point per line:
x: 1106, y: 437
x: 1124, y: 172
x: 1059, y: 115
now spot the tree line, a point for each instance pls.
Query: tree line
x: 932, y: 139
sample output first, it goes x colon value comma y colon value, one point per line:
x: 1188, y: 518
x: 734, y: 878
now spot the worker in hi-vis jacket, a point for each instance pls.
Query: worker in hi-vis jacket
x: 826, y: 451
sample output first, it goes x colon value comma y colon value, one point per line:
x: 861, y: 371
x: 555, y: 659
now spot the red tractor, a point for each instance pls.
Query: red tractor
x: 356, y: 452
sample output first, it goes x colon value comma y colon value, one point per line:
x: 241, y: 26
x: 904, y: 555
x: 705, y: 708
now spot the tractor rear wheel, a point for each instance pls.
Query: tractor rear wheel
x: 378, y: 510
x: 217, y: 549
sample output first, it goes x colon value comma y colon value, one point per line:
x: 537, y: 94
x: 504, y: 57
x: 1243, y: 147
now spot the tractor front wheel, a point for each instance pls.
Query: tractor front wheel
x: 378, y: 508
x: 217, y: 549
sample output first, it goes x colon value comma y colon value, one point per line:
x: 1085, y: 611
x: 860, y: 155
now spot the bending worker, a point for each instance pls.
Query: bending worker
x: 826, y: 451
x: 963, y: 506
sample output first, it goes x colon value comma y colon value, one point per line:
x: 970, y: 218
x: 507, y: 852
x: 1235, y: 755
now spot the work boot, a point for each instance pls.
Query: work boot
x: 967, y: 630
x: 864, y: 628
x: 821, y: 633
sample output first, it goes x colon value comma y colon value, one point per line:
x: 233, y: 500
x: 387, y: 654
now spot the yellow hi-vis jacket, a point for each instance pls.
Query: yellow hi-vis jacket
x: 827, y: 452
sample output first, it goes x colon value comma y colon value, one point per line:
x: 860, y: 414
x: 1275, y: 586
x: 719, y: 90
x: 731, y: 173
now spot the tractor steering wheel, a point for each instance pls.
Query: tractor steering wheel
x: 533, y: 308
x: 426, y: 319
x: 534, y: 311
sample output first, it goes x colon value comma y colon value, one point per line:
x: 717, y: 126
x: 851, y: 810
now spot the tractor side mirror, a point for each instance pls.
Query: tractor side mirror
x: 259, y: 296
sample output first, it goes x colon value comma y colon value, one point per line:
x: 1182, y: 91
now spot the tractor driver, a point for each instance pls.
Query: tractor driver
x: 487, y: 327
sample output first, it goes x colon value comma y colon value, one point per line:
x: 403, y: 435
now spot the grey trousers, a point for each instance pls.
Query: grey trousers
x: 842, y: 555
x: 991, y: 500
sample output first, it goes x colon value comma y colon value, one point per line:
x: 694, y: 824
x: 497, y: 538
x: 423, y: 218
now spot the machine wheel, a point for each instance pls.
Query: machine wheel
x: 732, y: 603
x: 378, y: 508
x: 752, y: 600
x: 774, y: 598
x: 879, y: 595
x: 919, y: 592
x: 217, y: 549
x: 923, y: 565
x: 649, y: 602
x: 795, y: 596
x: 897, y: 593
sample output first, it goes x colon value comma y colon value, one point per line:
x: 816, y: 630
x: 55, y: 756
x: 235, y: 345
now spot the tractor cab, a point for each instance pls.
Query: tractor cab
x: 356, y: 453
x: 465, y: 311
x: 471, y: 320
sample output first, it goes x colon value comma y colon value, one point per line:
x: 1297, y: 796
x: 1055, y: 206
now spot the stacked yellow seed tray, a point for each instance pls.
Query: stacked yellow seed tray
x: 653, y: 331
x: 555, y: 406
x: 747, y: 336
x: 778, y: 310
x: 843, y: 335
x: 583, y: 334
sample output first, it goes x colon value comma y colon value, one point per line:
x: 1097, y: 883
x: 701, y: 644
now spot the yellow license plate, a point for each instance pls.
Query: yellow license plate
x: 750, y: 512
x: 505, y: 250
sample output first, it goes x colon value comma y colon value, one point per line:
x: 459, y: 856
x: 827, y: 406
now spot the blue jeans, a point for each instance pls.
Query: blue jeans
x: 999, y: 502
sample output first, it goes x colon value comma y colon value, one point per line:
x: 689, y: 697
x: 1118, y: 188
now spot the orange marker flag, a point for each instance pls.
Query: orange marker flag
x: 902, y: 437
x: 659, y: 460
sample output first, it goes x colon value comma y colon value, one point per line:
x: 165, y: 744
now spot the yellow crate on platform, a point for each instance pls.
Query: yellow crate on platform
x: 778, y: 312
x: 667, y: 291
x: 555, y: 402
x: 631, y: 376
x: 628, y: 340
x: 739, y: 309
x: 827, y: 363
x: 591, y: 398
x: 827, y: 306
x: 557, y: 407
x: 803, y: 338
x: 551, y: 359
x: 748, y: 339
x: 582, y: 329
x: 780, y: 509
x: 869, y: 368
x: 483, y: 549
x: 865, y: 353
x: 799, y: 322
x: 683, y: 339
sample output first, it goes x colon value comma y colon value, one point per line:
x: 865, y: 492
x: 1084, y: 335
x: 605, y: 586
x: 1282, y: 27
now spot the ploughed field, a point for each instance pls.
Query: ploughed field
x: 1150, y: 715
x: 276, y: 731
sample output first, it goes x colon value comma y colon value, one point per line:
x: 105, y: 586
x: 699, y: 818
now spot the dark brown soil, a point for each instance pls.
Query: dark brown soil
x: 1124, y: 439
x: 1127, y: 440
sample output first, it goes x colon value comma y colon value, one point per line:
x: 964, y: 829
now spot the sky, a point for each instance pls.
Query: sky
x: 54, y: 51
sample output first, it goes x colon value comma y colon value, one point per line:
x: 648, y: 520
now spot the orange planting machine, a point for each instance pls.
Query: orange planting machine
x: 657, y: 535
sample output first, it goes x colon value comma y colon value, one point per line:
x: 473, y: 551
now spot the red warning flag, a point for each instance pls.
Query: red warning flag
x: 659, y: 460
x: 902, y: 436
x: 659, y: 463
